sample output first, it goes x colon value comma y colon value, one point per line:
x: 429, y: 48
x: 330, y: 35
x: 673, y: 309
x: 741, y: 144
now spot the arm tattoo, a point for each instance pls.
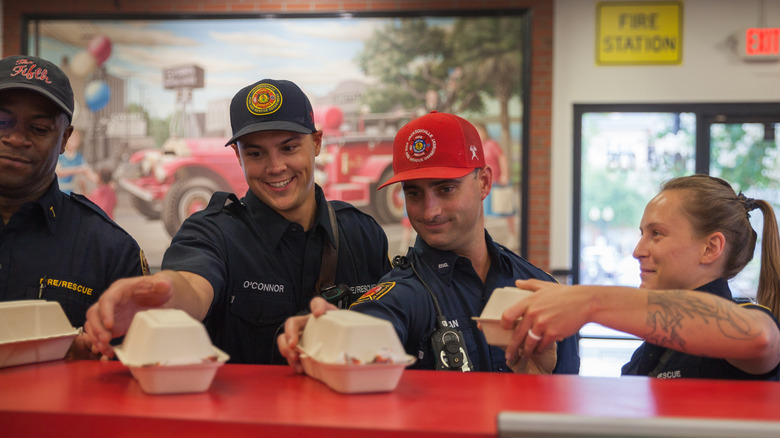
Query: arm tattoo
x: 669, y: 311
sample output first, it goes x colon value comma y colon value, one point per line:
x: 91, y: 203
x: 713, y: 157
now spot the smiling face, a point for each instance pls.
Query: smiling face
x: 33, y: 133
x: 447, y: 213
x: 670, y: 255
x: 279, y: 169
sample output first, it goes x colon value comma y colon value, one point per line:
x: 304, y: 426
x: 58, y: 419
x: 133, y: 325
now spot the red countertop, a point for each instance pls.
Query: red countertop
x: 87, y: 397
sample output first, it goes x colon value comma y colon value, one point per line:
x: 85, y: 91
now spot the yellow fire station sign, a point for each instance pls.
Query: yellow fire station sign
x: 636, y: 33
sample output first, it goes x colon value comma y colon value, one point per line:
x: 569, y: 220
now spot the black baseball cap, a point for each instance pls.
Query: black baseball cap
x: 39, y: 75
x: 270, y: 105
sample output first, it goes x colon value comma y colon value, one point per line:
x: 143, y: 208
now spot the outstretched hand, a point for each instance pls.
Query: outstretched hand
x: 111, y: 316
x: 553, y: 312
x: 293, y: 327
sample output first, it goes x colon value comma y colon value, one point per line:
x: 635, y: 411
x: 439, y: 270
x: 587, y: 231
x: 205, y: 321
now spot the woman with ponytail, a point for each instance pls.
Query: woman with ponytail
x: 695, y: 236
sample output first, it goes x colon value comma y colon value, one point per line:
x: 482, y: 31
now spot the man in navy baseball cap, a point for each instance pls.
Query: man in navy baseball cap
x: 247, y: 264
x: 269, y: 105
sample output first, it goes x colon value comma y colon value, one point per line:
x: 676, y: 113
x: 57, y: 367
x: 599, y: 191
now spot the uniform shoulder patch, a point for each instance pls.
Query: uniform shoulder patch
x: 376, y: 292
x: 144, y: 264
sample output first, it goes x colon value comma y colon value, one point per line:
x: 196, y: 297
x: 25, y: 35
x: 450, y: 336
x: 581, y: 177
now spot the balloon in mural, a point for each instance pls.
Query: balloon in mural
x: 99, y: 47
x: 83, y: 63
x: 96, y: 94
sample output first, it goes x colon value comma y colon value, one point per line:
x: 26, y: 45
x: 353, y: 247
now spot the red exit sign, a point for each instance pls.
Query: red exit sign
x: 762, y: 42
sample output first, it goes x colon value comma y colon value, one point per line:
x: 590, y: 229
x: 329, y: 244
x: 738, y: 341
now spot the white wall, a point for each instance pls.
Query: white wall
x: 710, y: 72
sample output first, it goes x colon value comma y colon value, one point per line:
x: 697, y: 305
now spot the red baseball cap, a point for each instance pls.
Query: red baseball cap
x: 436, y: 146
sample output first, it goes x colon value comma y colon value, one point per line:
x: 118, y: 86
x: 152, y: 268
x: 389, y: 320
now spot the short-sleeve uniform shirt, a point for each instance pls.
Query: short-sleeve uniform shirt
x: 64, y: 248
x: 663, y: 363
x: 401, y: 298
x: 264, y: 268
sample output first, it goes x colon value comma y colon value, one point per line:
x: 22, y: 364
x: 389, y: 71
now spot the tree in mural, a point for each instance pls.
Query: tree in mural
x: 489, y: 51
x: 407, y: 57
x: 420, y: 66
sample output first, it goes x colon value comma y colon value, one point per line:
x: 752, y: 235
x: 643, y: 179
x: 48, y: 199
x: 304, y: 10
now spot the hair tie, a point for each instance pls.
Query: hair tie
x: 750, y: 204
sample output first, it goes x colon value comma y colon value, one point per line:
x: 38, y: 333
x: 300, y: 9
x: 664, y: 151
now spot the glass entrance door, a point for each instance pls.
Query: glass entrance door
x: 744, y: 152
x: 625, y: 158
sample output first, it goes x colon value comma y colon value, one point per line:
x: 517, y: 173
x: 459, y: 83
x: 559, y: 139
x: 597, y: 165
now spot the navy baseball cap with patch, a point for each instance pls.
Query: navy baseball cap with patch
x: 270, y: 105
x: 39, y: 75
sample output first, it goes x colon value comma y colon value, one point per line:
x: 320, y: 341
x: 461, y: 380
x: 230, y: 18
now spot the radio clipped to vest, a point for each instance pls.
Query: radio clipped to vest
x: 449, y: 347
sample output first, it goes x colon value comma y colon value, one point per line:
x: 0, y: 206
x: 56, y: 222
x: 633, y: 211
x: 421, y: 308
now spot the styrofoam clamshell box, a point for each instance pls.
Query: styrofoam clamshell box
x: 33, y: 331
x: 352, y: 352
x: 168, y: 351
x: 490, y: 318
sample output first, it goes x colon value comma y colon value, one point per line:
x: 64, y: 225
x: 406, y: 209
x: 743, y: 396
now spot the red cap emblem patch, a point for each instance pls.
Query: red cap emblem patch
x: 420, y: 146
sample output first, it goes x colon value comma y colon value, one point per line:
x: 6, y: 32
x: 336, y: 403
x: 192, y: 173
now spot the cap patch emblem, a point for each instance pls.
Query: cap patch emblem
x: 30, y: 70
x: 420, y: 146
x: 263, y: 99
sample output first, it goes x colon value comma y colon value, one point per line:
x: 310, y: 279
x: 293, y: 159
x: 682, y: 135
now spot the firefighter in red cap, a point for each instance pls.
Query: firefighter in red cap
x: 443, y: 281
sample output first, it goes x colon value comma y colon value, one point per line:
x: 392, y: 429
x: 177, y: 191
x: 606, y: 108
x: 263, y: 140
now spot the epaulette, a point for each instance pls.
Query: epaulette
x: 346, y: 206
x: 219, y: 201
x: 341, y: 205
x: 83, y: 201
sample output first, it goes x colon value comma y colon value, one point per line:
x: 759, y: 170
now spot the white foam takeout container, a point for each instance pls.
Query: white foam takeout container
x: 341, y: 348
x: 168, y: 351
x: 33, y: 331
x: 490, y: 318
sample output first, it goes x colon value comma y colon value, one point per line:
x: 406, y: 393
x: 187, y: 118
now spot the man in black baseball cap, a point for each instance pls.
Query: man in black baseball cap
x: 245, y: 265
x: 54, y: 247
x: 40, y: 75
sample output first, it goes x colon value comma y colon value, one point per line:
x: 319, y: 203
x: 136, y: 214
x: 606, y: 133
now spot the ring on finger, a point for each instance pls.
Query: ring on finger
x: 533, y: 335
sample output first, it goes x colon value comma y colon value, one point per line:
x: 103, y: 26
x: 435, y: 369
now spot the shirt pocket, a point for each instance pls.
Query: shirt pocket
x: 74, y: 300
x: 254, y: 321
x: 261, y: 309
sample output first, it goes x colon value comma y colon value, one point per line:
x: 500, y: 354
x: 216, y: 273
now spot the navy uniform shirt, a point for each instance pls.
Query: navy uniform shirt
x: 64, y: 248
x: 402, y: 299
x: 647, y: 357
x: 264, y: 268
